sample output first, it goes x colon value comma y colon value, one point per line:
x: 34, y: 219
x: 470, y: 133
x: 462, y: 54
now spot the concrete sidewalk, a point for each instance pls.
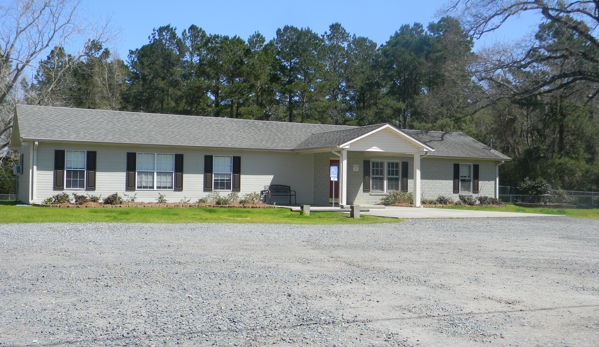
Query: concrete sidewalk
x: 412, y: 212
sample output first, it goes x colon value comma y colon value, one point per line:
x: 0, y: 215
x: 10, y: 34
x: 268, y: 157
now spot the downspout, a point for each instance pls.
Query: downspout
x: 497, y: 178
x: 340, y: 189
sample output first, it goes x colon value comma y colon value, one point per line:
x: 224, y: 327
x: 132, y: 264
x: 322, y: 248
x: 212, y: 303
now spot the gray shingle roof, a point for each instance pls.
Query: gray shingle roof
x: 453, y: 144
x: 336, y: 137
x: 104, y: 126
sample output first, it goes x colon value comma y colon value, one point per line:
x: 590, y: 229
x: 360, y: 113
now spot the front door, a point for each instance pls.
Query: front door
x: 334, y: 185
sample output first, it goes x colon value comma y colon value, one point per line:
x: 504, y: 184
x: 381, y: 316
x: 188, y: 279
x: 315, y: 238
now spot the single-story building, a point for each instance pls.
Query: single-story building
x: 100, y: 152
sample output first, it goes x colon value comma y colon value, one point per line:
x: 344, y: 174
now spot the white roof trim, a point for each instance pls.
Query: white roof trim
x: 387, y: 126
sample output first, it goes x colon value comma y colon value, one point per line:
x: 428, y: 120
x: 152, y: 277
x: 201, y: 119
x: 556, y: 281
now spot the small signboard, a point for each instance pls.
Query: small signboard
x: 334, y: 173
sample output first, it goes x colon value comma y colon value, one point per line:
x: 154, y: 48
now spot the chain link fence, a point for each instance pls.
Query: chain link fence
x: 9, y: 185
x: 575, y: 197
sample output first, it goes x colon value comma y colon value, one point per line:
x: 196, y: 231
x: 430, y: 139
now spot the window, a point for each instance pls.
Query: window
x: 155, y: 171
x: 75, y: 169
x: 392, y: 176
x: 385, y: 176
x: 378, y: 176
x: 223, y: 168
x: 465, y: 178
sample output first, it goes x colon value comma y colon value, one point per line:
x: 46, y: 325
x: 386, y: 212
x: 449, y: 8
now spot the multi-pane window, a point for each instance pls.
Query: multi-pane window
x: 223, y: 168
x: 465, y: 178
x: 155, y: 171
x: 378, y: 176
x: 75, y: 169
x: 392, y: 176
x: 384, y: 176
x: 165, y: 166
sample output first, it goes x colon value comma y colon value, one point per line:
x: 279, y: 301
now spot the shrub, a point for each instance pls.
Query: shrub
x: 204, y: 200
x: 233, y: 197
x: 213, y: 197
x: 94, y: 198
x: 252, y: 198
x: 48, y: 201
x: 61, y: 198
x: 487, y: 200
x: 80, y: 198
x: 444, y: 200
x: 468, y: 200
x: 535, y: 188
x: 113, y: 199
x: 161, y: 198
x: 185, y: 200
x: 222, y: 200
x: 130, y: 198
x: 245, y: 202
x: 459, y: 203
x: 397, y: 197
x: 429, y: 201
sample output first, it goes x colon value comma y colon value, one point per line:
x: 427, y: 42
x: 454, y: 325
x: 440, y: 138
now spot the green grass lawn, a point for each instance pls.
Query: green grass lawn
x: 10, y: 213
x: 569, y: 212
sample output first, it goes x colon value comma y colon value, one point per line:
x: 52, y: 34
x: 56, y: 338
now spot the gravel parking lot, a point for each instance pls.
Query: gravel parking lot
x: 506, y: 282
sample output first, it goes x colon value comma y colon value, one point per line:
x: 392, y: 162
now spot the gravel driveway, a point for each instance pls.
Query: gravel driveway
x: 506, y: 282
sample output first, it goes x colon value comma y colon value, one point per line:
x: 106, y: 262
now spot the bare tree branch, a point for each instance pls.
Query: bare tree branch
x: 29, y: 28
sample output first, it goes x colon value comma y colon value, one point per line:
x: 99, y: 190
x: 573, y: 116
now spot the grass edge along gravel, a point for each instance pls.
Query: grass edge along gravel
x: 11, y: 213
x: 568, y: 212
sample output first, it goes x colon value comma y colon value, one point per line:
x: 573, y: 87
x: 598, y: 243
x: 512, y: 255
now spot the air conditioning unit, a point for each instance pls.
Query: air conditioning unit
x: 17, y: 170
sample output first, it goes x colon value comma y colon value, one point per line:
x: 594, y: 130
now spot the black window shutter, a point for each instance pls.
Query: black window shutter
x: 404, y: 176
x: 90, y: 174
x: 58, y: 169
x: 236, y: 174
x: 178, y: 173
x: 475, y: 189
x: 456, y: 178
x: 22, y: 162
x: 366, y: 179
x: 208, y: 173
x: 131, y: 167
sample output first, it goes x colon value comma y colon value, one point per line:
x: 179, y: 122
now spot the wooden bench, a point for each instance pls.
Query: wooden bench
x: 278, y: 190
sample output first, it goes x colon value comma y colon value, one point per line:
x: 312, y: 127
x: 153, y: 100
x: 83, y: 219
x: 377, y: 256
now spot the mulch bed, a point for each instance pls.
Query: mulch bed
x: 153, y: 204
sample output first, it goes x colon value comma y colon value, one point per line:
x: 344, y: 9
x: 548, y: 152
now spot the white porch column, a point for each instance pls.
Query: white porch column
x: 343, y: 182
x: 497, y: 180
x: 417, y: 180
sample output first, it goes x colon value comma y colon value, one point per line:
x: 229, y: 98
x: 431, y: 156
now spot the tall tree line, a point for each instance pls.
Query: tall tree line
x: 298, y: 76
x: 537, y: 105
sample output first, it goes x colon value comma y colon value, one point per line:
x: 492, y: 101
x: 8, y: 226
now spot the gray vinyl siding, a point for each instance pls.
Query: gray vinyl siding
x: 386, y: 140
x: 436, y: 177
x: 257, y: 170
x: 322, y: 178
x: 371, y: 198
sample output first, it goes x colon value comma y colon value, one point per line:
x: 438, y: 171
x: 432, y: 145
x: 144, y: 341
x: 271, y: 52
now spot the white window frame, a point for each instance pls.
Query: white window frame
x: 471, y: 178
x: 155, y: 172
x: 385, y: 175
x: 214, y: 173
x: 66, y: 171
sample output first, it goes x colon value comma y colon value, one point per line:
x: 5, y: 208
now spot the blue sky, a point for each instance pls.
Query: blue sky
x: 375, y: 19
